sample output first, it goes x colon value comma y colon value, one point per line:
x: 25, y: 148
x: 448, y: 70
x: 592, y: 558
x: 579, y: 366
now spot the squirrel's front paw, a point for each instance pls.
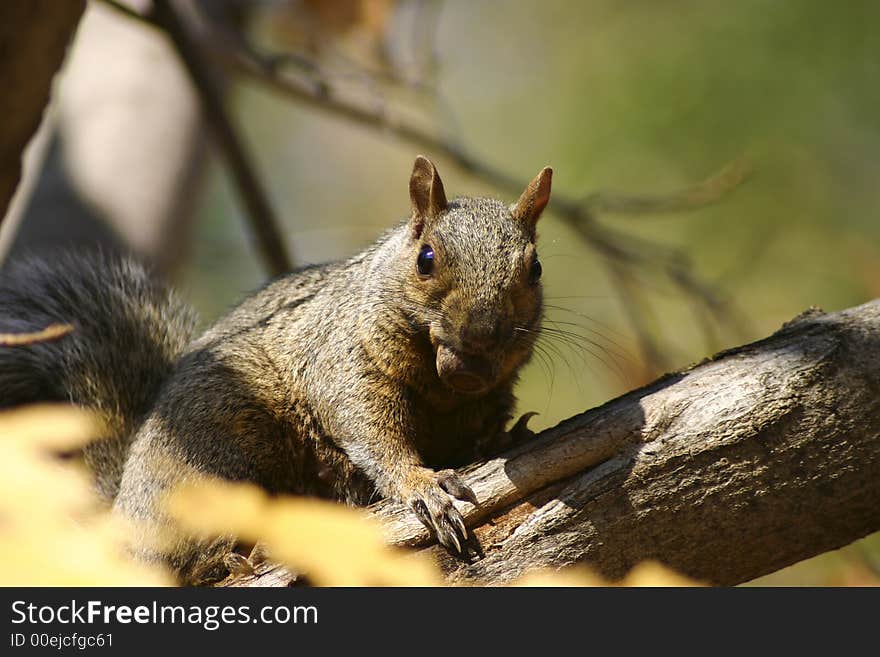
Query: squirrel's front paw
x: 238, y: 564
x: 430, y: 495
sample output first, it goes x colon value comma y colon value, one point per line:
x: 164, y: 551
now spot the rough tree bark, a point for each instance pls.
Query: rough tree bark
x: 748, y: 462
x: 33, y: 39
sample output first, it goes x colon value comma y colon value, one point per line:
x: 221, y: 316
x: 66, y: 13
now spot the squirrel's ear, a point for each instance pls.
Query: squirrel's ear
x: 426, y: 193
x: 534, y: 199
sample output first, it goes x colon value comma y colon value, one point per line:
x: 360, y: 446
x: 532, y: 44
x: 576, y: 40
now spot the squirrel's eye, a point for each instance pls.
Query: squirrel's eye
x: 425, y: 261
x: 535, y: 270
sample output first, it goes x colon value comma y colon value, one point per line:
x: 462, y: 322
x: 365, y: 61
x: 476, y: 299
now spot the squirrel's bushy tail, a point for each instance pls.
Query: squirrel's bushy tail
x: 128, y: 332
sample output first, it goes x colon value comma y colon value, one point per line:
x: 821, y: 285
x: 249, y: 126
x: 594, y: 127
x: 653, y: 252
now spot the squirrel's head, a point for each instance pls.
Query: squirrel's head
x: 474, y: 278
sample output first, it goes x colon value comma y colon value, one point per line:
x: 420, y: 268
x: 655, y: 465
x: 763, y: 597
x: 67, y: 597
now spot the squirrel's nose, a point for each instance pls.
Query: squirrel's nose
x: 481, y: 336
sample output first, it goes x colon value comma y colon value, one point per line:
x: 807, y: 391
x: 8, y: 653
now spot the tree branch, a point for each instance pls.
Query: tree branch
x: 263, y: 222
x: 33, y: 39
x: 748, y: 462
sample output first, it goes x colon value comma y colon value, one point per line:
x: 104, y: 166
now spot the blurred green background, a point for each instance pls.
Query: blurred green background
x: 638, y: 96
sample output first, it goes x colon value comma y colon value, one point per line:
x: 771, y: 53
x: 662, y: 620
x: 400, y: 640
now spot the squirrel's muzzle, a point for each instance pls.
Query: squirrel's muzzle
x: 465, y: 373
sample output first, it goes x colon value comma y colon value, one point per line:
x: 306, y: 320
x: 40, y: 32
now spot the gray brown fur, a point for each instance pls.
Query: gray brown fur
x: 128, y: 331
x: 340, y: 380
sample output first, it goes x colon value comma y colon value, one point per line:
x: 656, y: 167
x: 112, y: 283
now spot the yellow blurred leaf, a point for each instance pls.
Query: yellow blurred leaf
x: 48, y: 426
x: 647, y: 573
x: 53, y: 528
x: 575, y: 576
x: 334, y: 545
x: 651, y: 573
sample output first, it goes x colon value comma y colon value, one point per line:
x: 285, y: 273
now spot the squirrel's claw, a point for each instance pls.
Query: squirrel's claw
x: 452, y: 533
x: 433, y: 505
x: 446, y: 524
x: 238, y: 564
x: 452, y: 484
x: 520, y: 431
x: 454, y: 538
x: 459, y: 524
x: 259, y: 554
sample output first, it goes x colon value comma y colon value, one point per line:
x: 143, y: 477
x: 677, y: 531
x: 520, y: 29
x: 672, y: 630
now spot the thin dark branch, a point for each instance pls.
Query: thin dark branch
x: 245, y: 62
x: 705, y: 193
x: 128, y: 12
x: 652, y: 355
x: 263, y: 222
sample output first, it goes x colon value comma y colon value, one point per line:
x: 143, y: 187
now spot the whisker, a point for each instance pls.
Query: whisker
x: 555, y: 349
x: 618, y: 350
x: 546, y: 366
x: 603, y: 325
x: 612, y: 347
x: 577, y: 342
x: 572, y: 343
x: 579, y: 296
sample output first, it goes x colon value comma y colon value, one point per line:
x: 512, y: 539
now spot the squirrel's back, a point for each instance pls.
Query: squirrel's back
x: 128, y: 330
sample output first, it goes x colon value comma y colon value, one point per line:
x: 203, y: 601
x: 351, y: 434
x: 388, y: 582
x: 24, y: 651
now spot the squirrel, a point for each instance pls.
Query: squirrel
x: 372, y: 377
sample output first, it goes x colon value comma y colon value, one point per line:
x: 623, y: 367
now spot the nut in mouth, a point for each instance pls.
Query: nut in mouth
x: 463, y: 372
